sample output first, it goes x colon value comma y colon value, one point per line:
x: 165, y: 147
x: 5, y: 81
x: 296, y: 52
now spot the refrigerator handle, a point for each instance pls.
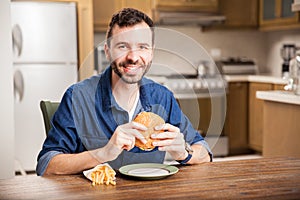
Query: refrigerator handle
x: 18, y: 85
x: 17, y: 39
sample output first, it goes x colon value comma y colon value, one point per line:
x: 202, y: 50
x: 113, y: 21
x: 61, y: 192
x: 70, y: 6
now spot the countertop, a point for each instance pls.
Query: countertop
x: 255, y: 78
x: 279, y: 96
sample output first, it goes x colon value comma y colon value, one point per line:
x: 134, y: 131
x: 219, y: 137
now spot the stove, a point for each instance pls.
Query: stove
x: 200, y: 87
x: 237, y: 66
x: 191, y: 91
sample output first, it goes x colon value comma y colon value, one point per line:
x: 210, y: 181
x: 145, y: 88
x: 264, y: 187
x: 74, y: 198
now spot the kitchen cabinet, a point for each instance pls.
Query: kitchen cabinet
x: 281, y: 133
x: 277, y: 15
x: 187, y: 5
x: 103, y: 10
x: 239, y: 14
x: 256, y: 115
x: 236, y: 122
x: 244, y: 118
x: 145, y: 6
x: 256, y: 112
x: 280, y: 124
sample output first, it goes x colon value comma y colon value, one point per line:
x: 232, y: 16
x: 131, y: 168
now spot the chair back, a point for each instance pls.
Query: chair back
x: 48, y: 109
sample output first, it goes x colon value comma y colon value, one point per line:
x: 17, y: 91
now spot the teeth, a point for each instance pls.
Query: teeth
x: 132, y: 68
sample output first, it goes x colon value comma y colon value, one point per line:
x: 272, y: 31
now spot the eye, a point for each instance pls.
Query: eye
x: 144, y: 47
x: 122, y: 46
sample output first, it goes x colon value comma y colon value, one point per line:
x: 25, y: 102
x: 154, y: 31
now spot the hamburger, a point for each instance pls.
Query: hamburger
x: 150, y: 120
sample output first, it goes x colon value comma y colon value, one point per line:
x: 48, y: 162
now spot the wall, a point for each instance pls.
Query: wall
x: 232, y: 43
x: 6, y: 88
x: 275, y: 41
x: 263, y: 47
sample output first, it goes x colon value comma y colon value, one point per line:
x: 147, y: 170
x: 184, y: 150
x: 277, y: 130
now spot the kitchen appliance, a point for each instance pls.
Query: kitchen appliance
x: 287, y: 52
x: 45, y: 64
x: 294, y: 75
x: 296, y: 6
x: 202, y: 98
x: 237, y: 66
x: 202, y: 13
x: 189, y: 18
x: 100, y: 59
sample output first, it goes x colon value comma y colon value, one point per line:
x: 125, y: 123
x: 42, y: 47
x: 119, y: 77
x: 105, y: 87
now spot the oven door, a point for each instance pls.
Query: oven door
x: 207, y: 114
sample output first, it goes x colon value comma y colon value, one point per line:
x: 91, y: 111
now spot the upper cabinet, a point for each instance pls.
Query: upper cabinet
x: 239, y: 14
x: 103, y: 10
x: 143, y: 5
x: 278, y: 15
x: 253, y: 14
x: 187, y: 5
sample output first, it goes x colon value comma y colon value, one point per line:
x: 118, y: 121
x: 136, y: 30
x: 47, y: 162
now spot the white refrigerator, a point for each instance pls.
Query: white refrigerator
x: 45, y: 64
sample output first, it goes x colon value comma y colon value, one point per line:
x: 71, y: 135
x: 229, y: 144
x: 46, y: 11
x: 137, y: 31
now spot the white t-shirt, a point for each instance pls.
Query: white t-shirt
x: 131, y: 112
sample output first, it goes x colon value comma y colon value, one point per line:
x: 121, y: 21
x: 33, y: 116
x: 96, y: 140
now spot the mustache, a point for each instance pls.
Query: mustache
x: 129, y: 62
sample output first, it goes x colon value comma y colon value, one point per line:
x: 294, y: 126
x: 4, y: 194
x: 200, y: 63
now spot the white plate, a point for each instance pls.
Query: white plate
x: 148, y: 171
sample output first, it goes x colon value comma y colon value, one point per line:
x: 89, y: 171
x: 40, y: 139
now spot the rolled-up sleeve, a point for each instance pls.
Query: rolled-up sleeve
x: 44, y: 161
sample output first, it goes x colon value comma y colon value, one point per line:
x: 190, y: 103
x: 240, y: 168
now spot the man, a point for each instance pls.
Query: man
x: 93, y: 123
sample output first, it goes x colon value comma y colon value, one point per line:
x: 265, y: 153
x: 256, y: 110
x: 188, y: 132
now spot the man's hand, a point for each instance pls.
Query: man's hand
x: 171, y: 141
x: 123, y: 138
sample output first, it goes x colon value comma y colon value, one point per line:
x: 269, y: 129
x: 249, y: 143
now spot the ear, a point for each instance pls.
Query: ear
x: 106, y: 51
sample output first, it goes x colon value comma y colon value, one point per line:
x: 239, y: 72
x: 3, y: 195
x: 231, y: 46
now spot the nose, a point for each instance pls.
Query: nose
x: 133, y: 56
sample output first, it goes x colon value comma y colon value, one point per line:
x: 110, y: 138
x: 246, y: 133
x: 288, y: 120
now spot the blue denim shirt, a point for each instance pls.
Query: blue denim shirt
x: 88, y: 116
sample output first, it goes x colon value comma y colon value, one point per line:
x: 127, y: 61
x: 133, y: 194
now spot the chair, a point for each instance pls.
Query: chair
x: 48, y: 109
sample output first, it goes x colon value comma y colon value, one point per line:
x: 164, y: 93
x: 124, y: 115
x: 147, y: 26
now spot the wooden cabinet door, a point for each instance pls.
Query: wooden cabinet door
x: 239, y: 14
x: 103, y: 11
x: 281, y: 129
x: 256, y: 115
x: 145, y: 6
x: 278, y: 87
x: 277, y: 15
x: 236, y: 127
x: 187, y: 5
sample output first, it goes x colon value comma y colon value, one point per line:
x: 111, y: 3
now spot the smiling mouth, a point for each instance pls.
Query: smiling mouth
x: 130, y: 69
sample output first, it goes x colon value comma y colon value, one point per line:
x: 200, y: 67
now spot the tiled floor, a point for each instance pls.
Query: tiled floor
x: 240, y: 157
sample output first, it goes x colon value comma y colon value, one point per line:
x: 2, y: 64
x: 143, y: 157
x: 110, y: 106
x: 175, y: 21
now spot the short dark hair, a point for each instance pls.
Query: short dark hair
x: 128, y: 17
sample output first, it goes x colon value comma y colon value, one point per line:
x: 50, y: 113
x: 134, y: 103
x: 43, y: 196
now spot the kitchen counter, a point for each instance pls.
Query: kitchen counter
x: 279, y: 96
x: 255, y: 78
x: 281, y: 114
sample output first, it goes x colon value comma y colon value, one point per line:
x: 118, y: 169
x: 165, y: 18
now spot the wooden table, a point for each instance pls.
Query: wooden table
x: 266, y: 178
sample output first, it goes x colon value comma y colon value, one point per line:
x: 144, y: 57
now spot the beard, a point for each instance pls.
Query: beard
x: 127, y: 77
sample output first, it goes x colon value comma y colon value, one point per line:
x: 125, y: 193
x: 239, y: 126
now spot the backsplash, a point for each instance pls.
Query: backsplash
x: 275, y: 42
x: 263, y: 47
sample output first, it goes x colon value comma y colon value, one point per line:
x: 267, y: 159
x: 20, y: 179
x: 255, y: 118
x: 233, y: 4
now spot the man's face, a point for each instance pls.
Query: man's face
x: 130, y: 51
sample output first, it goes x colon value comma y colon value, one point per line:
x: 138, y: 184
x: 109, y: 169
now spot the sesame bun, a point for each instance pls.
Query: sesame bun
x: 150, y: 120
